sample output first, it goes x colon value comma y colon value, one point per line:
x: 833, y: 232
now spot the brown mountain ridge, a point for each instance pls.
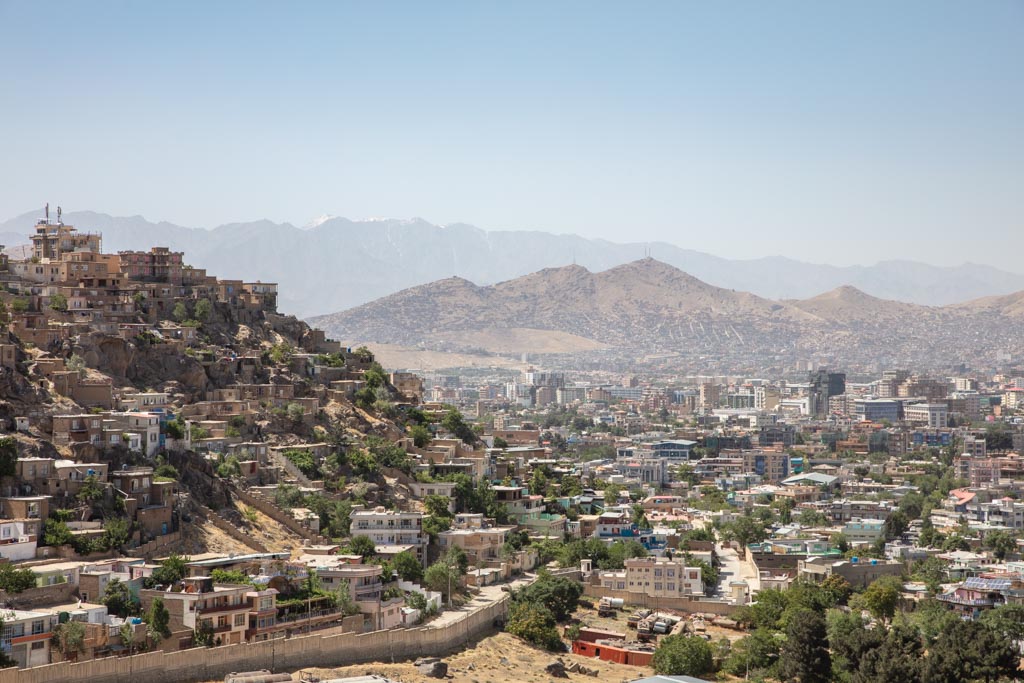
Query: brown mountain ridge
x: 646, y: 306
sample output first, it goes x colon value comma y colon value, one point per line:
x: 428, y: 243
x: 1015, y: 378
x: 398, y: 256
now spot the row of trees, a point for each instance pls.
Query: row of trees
x: 808, y: 634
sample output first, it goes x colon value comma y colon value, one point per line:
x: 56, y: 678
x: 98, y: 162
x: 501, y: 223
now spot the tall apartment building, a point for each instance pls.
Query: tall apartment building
x: 823, y: 385
x: 965, y: 384
x: 923, y: 387
x: 710, y: 394
x: 766, y: 398
x: 891, y: 380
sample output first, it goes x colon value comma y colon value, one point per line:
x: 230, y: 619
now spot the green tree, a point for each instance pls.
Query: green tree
x: 1001, y: 543
x: 437, y: 506
x: 1007, y: 620
x: 535, y: 624
x: 970, y: 651
x: 76, y: 363
x: 127, y: 634
x: 19, y: 305
x: 804, y: 656
x: 281, y: 353
x: 362, y: 545
x: 304, y: 460
x: 56, y: 532
x: 849, y: 642
x: 837, y: 589
x: 69, y: 638
x: 812, y: 518
x: 932, y: 618
x: 682, y: 655
x: 408, y: 567
x: 421, y: 436
x: 14, y: 580
x: 59, y: 302
x: 558, y: 593
x: 443, y: 576
x: 895, y: 525
x: 157, y: 620
x: 745, y: 530
x: 203, y: 310
x: 454, y: 423
x: 8, y: 457
x: 897, y: 660
x: 118, y: 599
x: 91, y: 491
x: 839, y: 541
x: 759, y: 651
x: 882, y: 597
x: 180, y: 312
x: 171, y: 571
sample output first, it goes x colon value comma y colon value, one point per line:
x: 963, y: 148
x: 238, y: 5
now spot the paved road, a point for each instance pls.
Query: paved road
x: 486, y: 596
x: 734, y: 568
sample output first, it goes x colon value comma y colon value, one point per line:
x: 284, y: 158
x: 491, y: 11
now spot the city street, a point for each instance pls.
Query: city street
x: 734, y: 568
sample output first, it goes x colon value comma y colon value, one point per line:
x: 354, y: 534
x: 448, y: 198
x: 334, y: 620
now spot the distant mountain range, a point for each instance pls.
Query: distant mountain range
x: 649, y: 309
x: 335, y: 263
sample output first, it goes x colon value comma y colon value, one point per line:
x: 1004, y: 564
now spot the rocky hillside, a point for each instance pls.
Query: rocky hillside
x: 649, y: 307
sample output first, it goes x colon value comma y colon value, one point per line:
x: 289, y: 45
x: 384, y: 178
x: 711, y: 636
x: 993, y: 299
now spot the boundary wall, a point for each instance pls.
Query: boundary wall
x: 319, y: 650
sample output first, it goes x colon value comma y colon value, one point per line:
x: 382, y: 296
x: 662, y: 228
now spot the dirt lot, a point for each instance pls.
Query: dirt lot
x: 494, y: 659
x: 589, y: 617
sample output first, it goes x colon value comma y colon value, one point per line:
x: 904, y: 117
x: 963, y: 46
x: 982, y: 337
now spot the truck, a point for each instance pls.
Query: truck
x: 607, y: 606
x: 636, y: 617
x: 645, y: 629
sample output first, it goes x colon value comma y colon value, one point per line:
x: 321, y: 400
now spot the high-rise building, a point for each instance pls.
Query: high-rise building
x: 709, y: 395
x: 824, y: 384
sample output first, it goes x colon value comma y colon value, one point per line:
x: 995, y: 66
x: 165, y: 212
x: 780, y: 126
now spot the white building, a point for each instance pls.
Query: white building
x: 388, y: 528
x: 932, y: 415
x: 16, y: 543
x: 656, y: 577
x: 26, y: 636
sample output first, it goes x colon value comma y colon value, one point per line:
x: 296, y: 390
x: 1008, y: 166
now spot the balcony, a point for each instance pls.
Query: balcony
x: 217, y: 609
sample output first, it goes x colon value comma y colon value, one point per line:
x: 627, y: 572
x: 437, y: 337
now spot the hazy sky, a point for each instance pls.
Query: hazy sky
x: 840, y: 133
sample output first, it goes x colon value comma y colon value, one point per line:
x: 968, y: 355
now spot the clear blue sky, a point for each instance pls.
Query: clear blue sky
x: 833, y: 132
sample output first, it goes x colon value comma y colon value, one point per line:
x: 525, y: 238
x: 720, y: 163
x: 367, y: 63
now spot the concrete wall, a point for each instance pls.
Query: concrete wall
x: 232, y: 530
x: 277, y: 655
x: 147, y: 549
x: 279, y: 515
x: 641, y: 600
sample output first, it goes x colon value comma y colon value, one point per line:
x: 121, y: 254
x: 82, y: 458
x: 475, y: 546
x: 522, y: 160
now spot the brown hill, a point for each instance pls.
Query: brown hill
x: 847, y: 304
x: 646, y: 310
x: 1010, y: 305
x: 605, y: 307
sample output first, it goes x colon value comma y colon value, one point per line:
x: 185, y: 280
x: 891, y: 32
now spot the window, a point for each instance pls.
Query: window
x: 37, y: 627
x: 239, y: 620
x: 222, y: 622
x: 670, y: 586
x: 39, y: 645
